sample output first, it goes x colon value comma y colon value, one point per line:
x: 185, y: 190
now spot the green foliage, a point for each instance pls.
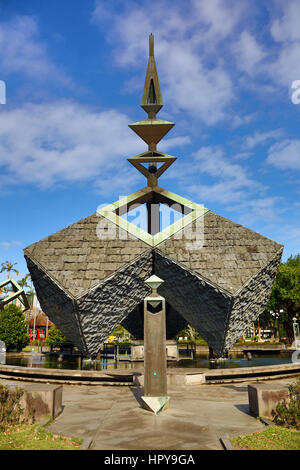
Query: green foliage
x: 8, y: 266
x: 13, y: 329
x: 288, y: 413
x: 55, y: 335
x: 286, y: 293
x: 122, y: 333
x: 24, y: 282
x: 287, y: 283
x: 10, y: 409
x: 192, y: 335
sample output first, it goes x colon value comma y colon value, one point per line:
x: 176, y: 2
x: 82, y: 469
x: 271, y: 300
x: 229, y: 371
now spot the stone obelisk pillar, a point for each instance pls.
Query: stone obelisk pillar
x: 155, y: 397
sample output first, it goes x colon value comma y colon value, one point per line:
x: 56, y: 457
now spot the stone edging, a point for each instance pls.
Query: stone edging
x: 226, y: 442
x: 86, y: 443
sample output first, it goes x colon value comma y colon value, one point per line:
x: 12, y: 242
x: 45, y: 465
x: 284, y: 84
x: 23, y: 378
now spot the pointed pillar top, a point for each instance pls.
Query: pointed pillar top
x: 151, y: 45
x: 152, y: 99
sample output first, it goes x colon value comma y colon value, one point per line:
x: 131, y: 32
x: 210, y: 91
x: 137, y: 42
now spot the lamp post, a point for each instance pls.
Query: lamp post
x: 276, y: 315
x: 296, y: 333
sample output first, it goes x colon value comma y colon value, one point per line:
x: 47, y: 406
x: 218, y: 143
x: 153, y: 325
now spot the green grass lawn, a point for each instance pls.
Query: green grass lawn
x: 34, y: 437
x: 272, y: 438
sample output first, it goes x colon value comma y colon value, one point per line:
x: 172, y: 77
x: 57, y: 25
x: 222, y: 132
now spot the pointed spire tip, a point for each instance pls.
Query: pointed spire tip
x: 151, y: 45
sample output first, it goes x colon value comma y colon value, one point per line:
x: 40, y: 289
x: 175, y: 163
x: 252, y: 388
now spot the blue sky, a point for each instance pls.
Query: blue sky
x: 74, y: 74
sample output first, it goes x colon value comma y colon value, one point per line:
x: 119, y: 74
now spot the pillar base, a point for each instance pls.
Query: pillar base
x: 155, y: 404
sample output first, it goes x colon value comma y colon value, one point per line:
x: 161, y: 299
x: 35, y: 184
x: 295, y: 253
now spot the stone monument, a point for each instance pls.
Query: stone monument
x: 89, y: 277
x: 155, y: 397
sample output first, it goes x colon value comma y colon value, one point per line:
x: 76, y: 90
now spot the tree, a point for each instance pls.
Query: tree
x: 24, y: 282
x: 285, y: 293
x: 13, y: 329
x: 8, y: 266
x: 55, y: 335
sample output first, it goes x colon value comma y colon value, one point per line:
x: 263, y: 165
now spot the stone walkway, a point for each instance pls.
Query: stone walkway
x: 198, y: 416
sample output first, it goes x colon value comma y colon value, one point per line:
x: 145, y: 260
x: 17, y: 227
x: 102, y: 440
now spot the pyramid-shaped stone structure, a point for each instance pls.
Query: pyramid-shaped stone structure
x: 89, y: 277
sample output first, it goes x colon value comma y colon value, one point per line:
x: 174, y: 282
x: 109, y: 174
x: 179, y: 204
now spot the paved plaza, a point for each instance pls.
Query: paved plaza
x: 112, y: 417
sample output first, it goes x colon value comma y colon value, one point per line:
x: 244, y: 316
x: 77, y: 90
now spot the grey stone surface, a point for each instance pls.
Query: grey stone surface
x: 105, y: 306
x: 58, y: 305
x: 88, y: 321
x: 200, y: 303
x: 251, y: 301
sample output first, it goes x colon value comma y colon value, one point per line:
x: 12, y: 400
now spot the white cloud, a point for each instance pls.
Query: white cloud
x: 261, y: 138
x: 286, y: 67
x: 286, y: 27
x: 285, y: 155
x: 63, y: 141
x: 192, y: 79
x: 51, y: 143
x: 248, y: 52
x: 263, y: 209
x: 218, y: 19
x: 166, y: 144
x: 22, y: 51
x: 232, y: 182
x: 7, y: 245
x: 228, y: 184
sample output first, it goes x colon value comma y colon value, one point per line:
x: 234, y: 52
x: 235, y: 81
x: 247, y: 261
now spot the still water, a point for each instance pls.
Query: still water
x: 201, y: 362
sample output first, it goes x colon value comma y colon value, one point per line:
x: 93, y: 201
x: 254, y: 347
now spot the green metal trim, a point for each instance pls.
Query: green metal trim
x: 18, y: 292
x: 109, y: 212
x: 149, y: 154
x: 150, y: 122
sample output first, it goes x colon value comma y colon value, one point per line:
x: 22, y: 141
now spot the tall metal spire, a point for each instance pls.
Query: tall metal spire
x: 152, y: 130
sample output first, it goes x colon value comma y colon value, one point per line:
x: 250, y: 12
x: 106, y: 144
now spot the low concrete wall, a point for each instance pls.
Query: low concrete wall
x: 127, y: 377
x: 264, y: 397
x: 40, y: 400
x: 69, y: 376
x: 175, y: 379
x: 240, y: 373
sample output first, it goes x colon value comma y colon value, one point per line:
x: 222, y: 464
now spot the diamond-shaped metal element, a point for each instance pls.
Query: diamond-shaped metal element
x: 114, y: 211
x: 17, y: 292
x: 154, y: 282
x: 152, y: 157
